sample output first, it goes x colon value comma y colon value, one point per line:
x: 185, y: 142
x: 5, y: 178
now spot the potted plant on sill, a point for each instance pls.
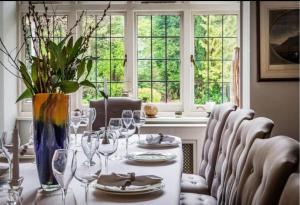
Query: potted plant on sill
x: 56, y: 69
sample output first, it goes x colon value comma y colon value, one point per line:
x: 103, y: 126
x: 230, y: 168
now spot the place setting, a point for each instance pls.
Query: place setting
x: 158, y: 141
x: 129, y: 184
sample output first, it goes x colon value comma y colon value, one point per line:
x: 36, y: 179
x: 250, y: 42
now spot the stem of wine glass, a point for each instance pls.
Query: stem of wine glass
x: 126, y: 145
x: 138, y: 128
x: 10, y: 169
x: 64, y: 193
x: 86, y: 188
x: 75, y: 131
x: 106, y: 164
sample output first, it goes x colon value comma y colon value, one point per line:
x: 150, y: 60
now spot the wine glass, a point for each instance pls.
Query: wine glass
x: 31, y: 131
x: 64, y: 167
x: 75, y: 122
x: 90, y: 116
x: 127, y: 120
x: 115, y: 124
x: 139, y: 119
x: 89, y: 144
x: 8, y: 156
x: 108, y: 143
x: 86, y: 173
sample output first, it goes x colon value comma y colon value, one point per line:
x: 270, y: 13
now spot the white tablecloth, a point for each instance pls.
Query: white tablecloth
x: 170, y: 172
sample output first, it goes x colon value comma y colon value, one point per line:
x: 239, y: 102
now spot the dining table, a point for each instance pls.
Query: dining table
x: 170, y: 172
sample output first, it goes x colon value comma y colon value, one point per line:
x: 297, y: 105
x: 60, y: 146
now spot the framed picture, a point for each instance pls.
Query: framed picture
x: 278, y: 41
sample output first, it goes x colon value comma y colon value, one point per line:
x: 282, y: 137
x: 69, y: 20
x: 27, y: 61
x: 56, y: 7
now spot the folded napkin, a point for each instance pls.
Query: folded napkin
x: 26, y: 149
x: 3, y: 169
x: 124, y: 180
x: 159, y: 139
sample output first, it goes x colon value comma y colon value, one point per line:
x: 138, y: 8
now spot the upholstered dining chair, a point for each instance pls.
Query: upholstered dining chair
x: 228, y: 134
x: 290, y: 194
x: 199, y: 183
x: 115, y: 106
x: 269, y: 164
x: 249, y: 130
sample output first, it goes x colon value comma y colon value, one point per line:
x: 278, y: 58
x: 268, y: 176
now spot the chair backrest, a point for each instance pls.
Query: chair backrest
x: 290, y: 194
x: 268, y: 166
x: 248, y: 131
x: 212, y: 138
x: 229, y: 131
x: 115, y: 106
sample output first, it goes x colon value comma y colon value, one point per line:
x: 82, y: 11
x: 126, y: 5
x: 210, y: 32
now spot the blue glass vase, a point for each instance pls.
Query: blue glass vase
x: 51, y: 123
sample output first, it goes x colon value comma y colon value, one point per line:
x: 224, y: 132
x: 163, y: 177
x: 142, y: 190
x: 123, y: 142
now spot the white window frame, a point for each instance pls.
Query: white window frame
x: 195, y: 13
x: 187, y: 10
x: 166, y: 107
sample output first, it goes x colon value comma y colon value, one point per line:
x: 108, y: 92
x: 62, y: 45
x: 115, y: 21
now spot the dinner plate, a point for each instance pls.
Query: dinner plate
x: 145, y: 144
x: 130, y: 190
x: 150, y: 157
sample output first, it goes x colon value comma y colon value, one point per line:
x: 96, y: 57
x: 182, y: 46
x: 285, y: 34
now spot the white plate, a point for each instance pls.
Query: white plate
x: 145, y: 144
x: 130, y: 190
x: 150, y: 157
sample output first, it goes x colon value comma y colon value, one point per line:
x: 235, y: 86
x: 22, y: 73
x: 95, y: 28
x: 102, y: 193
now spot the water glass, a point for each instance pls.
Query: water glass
x: 11, y: 197
x: 139, y: 119
x: 64, y: 166
x: 89, y: 115
x: 86, y: 173
x: 115, y: 124
x: 7, y: 155
x: 75, y: 122
x: 127, y: 117
x: 89, y: 144
x: 108, y: 144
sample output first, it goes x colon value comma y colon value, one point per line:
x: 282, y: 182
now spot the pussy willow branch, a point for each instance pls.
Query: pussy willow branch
x: 92, y: 30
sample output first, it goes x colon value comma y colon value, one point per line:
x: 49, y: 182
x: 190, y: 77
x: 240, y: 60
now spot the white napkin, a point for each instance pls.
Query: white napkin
x: 3, y: 169
x: 159, y: 139
x: 123, y: 180
x: 26, y: 149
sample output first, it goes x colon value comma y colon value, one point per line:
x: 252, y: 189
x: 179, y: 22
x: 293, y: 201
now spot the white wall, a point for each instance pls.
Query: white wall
x: 278, y: 101
x: 8, y: 82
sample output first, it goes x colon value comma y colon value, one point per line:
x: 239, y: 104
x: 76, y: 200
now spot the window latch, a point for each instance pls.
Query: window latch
x: 193, y: 60
x: 125, y: 60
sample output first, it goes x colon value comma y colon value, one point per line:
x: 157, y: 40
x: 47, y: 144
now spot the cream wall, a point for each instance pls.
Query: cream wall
x: 8, y: 82
x: 278, y: 101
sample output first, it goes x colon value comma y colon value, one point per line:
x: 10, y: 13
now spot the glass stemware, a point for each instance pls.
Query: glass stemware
x: 139, y: 119
x: 89, y: 144
x: 89, y: 115
x: 86, y: 173
x: 127, y: 121
x: 108, y: 144
x: 64, y: 166
x: 115, y: 124
x: 75, y: 122
x: 8, y: 156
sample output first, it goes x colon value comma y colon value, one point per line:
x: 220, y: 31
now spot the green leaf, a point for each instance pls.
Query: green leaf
x: 103, y: 94
x: 80, y: 69
x: 69, y: 86
x: 76, y: 48
x: 26, y: 94
x: 87, y: 84
x: 89, y: 68
x: 26, y: 77
x: 70, y: 43
x: 34, y: 73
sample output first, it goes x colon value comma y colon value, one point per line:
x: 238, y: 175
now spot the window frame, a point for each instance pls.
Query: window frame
x: 194, y: 106
x: 187, y: 10
x: 166, y: 107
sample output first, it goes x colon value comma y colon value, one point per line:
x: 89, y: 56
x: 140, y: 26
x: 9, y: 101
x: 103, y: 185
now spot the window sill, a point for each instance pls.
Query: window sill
x: 177, y: 120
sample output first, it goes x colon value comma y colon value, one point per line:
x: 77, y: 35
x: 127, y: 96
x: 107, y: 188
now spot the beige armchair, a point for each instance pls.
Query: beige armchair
x: 115, y: 107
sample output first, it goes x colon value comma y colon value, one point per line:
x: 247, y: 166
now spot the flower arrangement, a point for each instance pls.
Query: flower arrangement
x: 55, y: 67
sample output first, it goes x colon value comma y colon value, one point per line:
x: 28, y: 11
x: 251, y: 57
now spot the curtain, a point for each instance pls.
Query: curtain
x: 235, y: 69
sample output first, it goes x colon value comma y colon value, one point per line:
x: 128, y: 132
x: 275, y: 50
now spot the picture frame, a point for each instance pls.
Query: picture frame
x: 277, y: 41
